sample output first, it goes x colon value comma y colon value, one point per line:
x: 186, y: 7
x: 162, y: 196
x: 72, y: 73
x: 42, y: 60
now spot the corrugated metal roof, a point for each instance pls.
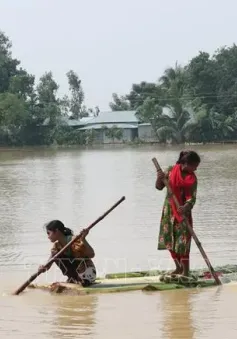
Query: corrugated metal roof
x: 82, y: 121
x: 101, y: 126
x: 103, y: 117
x: 71, y: 122
x: 145, y: 124
x: 115, y: 117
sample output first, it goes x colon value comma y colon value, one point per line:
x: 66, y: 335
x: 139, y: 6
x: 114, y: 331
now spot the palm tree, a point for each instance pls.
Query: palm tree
x: 209, y: 125
x: 179, y: 119
x: 176, y: 120
x: 167, y: 124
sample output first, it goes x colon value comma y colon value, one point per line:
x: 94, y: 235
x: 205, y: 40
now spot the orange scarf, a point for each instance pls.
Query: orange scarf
x: 180, y: 187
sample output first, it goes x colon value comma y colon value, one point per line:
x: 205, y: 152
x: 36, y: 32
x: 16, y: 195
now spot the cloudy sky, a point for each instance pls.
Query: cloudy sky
x: 114, y: 43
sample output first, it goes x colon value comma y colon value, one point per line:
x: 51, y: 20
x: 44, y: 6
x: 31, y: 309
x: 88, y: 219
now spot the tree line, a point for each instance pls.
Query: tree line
x: 25, y: 106
x: 192, y: 103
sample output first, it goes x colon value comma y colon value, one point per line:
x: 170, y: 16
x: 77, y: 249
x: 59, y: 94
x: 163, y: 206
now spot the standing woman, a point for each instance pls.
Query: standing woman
x: 174, y: 235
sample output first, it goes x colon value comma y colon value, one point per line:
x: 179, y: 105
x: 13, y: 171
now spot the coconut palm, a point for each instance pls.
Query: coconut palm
x: 176, y: 116
x: 210, y: 125
x: 166, y: 122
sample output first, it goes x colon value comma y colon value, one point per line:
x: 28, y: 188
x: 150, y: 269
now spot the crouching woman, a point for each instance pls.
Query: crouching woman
x: 76, y: 261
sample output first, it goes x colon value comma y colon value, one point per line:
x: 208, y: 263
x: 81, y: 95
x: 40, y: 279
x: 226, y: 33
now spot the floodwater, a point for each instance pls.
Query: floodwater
x: 77, y: 186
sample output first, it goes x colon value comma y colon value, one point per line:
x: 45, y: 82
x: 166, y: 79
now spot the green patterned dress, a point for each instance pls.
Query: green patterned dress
x: 172, y: 235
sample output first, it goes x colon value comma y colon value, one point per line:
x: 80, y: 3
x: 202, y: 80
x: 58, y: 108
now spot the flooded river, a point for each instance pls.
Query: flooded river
x: 77, y: 186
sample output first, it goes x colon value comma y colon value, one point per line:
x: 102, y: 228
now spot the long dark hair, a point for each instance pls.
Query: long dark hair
x: 55, y: 225
x: 188, y: 157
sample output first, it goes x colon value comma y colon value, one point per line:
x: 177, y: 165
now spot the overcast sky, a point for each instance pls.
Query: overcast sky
x: 114, y: 43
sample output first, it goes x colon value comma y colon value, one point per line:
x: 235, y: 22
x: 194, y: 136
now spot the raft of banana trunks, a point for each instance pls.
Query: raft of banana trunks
x: 143, y: 281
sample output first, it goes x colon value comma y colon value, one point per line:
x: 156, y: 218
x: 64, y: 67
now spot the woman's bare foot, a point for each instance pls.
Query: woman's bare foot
x: 177, y: 271
x: 185, y: 273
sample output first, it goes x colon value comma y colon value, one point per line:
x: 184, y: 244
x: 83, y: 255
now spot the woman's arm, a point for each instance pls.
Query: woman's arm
x: 190, y: 197
x: 89, y: 251
x: 43, y: 268
x: 83, y: 249
x: 160, y: 178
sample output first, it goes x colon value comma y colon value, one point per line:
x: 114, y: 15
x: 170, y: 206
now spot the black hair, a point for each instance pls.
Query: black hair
x: 58, y: 225
x: 188, y: 157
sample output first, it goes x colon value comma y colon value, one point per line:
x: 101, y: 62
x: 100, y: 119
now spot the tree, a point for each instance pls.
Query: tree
x: 138, y: 94
x: 8, y: 65
x: 225, y: 60
x: 47, y: 98
x: 169, y: 117
x: 65, y: 106
x: 113, y: 133
x: 207, y: 125
x: 13, y: 111
x: 173, y: 87
x: 151, y: 112
x: 167, y: 124
x: 12, y: 79
x: 201, y: 81
x: 119, y: 104
x: 22, y: 84
x: 77, y: 95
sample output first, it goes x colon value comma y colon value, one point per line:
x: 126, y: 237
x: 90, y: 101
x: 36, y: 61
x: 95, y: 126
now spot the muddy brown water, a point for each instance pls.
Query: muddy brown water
x: 77, y: 186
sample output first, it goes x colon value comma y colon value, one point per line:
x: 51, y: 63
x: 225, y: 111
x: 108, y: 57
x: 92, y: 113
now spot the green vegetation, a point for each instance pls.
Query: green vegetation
x: 194, y: 103
x: 25, y: 105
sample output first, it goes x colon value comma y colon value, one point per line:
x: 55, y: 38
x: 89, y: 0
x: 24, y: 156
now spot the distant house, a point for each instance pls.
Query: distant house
x: 113, y: 126
x: 146, y: 133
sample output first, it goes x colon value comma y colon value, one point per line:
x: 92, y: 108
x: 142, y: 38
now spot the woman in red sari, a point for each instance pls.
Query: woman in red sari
x: 174, y: 235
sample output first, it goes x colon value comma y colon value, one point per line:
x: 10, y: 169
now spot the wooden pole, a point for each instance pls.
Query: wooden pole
x: 34, y: 276
x: 190, y: 229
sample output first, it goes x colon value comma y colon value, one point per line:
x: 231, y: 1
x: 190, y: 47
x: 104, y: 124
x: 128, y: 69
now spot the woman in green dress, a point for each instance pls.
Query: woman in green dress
x: 174, y: 235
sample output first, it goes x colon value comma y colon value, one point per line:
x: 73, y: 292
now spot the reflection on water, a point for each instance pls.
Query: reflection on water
x: 39, y: 315
x: 199, y: 314
x: 74, y: 316
x: 177, y: 309
x: 77, y: 186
